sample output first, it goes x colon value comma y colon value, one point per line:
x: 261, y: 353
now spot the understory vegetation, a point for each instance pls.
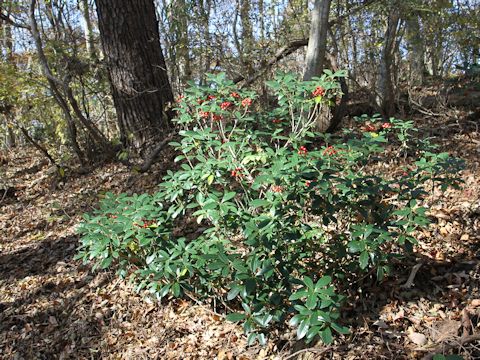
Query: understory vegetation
x: 267, y: 216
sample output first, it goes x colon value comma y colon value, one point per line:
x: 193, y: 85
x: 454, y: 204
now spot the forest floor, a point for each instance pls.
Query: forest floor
x: 53, y: 307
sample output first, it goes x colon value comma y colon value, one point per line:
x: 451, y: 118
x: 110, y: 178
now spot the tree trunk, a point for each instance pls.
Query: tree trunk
x: 385, y: 88
x: 88, y: 30
x: 317, y: 41
x: 8, y: 45
x: 137, y: 71
x: 416, y: 51
x: 183, y: 42
x: 247, y: 36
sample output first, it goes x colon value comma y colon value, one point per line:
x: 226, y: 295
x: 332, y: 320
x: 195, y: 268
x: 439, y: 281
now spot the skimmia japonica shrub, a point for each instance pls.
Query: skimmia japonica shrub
x: 266, y: 215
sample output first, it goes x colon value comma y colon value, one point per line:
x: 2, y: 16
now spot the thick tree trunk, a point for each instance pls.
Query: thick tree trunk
x: 317, y: 41
x: 140, y: 86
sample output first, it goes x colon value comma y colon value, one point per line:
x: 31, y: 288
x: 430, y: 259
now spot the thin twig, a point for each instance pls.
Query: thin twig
x: 444, y: 347
x: 409, y: 282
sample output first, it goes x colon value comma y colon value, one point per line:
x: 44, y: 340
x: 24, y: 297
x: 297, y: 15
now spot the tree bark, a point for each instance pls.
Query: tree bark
x: 247, y: 36
x: 88, y: 30
x: 140, y: 86
x: 317, y: 42
x: 385, y: 89
x: 8, y: 45
x: 416, y: 51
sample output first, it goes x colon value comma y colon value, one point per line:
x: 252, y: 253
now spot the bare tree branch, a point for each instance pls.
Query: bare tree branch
x: 295, y: 45
x: 6, y: 18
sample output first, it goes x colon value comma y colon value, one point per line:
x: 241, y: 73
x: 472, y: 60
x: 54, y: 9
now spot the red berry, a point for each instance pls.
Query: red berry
x: 246, y: 102
x: 330, y: 150
x: 204, y: 114
x: 225, y: 105
x: 319, y: 91
x: 302, y: 150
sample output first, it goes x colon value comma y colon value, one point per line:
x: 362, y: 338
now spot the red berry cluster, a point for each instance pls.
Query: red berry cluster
x: 386, y: 125
x: 330, y: 150
x: 276, y: 121
x: 319, y: 91
x: 204, y: 114
x: 277, y: 188
x: 302, y: 150
x: 236, y: 172
x: 246, y: 102
x: 146, y: 223
x: 226, y: 105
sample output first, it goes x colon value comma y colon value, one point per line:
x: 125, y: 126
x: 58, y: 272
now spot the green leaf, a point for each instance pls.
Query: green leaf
x: 235, y: 317
x: 312, y: 332
x: 295, y: 320
x: 176, y: 290
x: 251, y: 339
x: 232, y: 294
x: 325, y: 280
x: 302, y: 329
x: 262, y: 339
x: 363, y: 260
x: 164, y: 290
x: 106, y: 262
x: 259, y: 202
x: 298, y: 295
x: 311, y: 302
x: 229, y: 195
x: 340, y: 329
x: 326, y: 336
x: 308, y: 282
x: 210, y: 179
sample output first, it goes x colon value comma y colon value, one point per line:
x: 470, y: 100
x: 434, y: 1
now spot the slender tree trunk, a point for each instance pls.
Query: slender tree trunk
x: 385, y: 88
x: 38, y: 147
x: 183, y: 45
x: 416, y: 51
x: 88, y: 30
x: 8, y: 45
x: 138, y: 75
x: 317, y: 41
x: 247, y: 36
x: 54, y: 84
x: 261, y: 11
x: 204, y: 7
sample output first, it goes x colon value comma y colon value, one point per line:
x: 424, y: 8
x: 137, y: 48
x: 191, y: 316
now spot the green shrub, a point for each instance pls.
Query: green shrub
x: 264, y: 214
